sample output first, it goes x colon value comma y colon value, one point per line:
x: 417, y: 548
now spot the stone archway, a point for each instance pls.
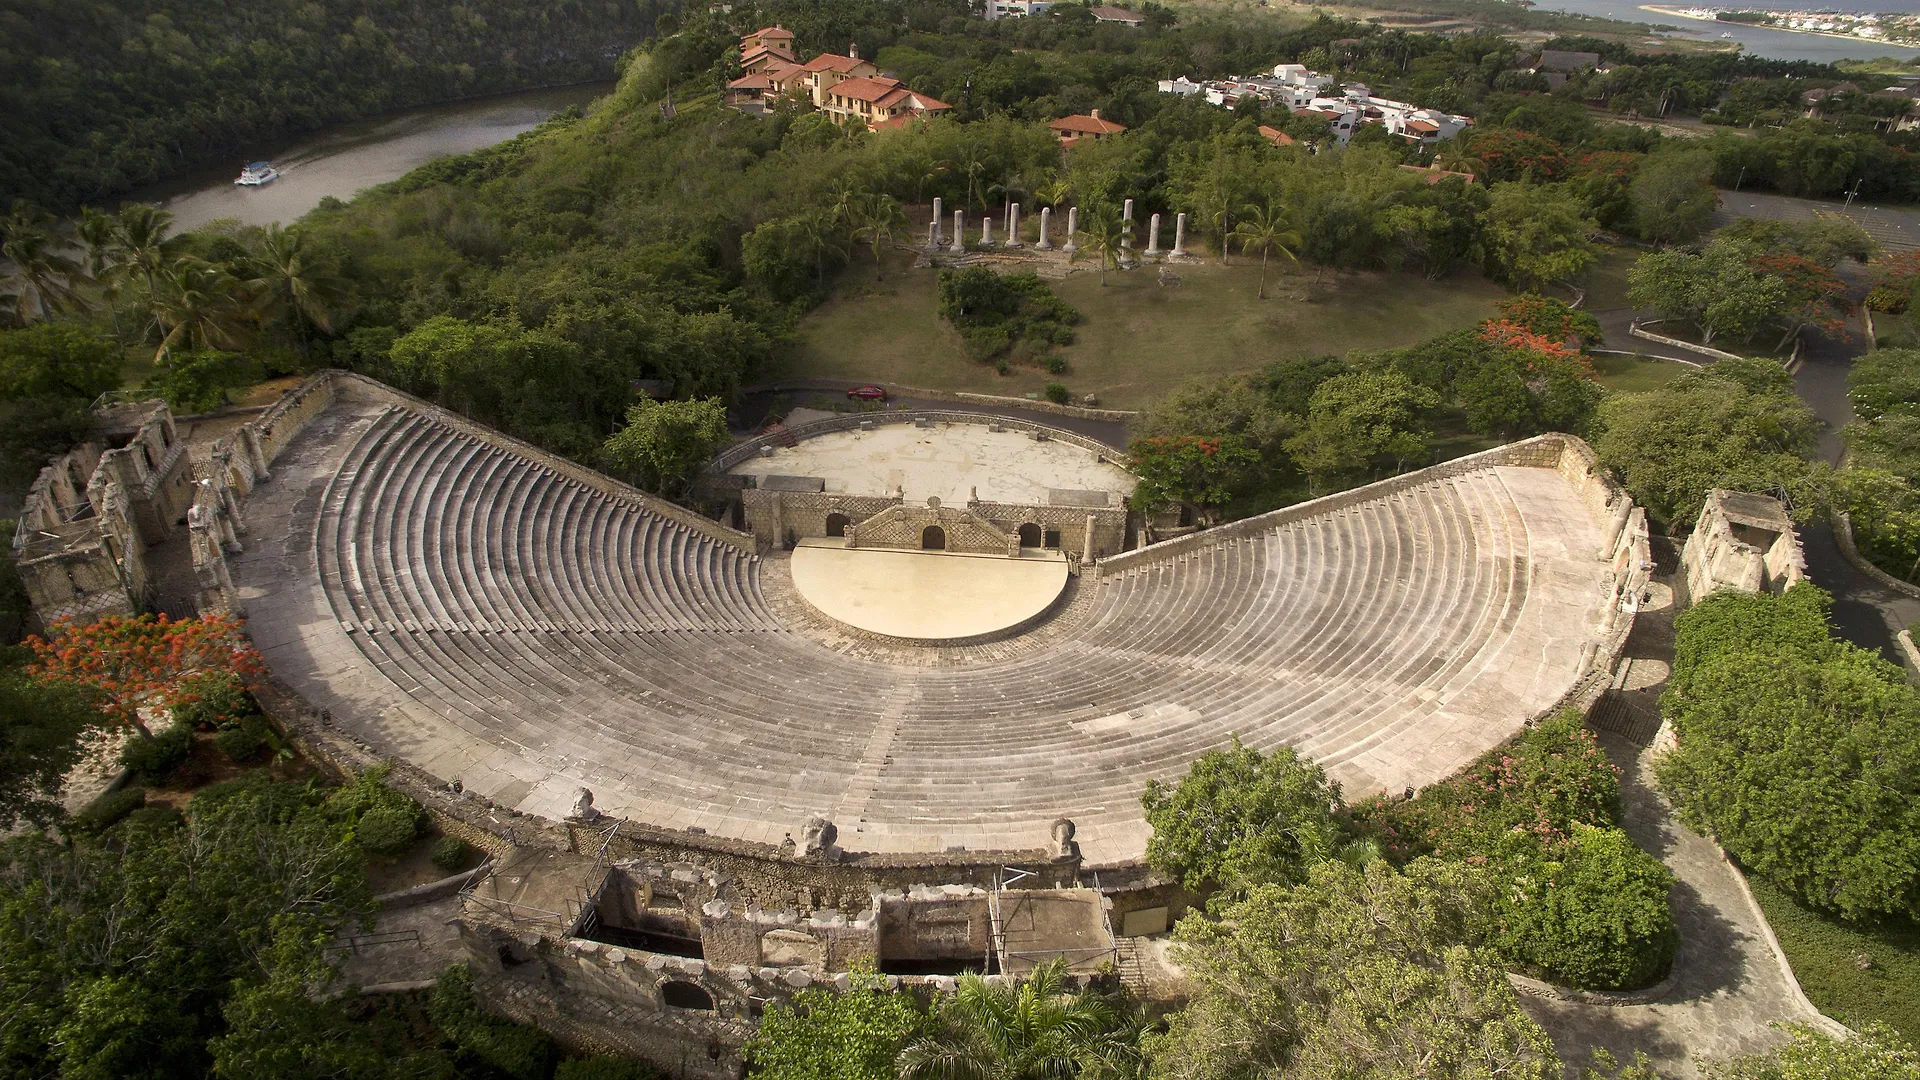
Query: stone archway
x: 1030, y: 535
x: 933, y: 538
x: 685, y: 995
x: 837, y: 524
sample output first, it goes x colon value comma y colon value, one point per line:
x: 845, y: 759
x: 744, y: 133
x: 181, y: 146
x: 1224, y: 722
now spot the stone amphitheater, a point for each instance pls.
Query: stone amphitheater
x: 509, y: 621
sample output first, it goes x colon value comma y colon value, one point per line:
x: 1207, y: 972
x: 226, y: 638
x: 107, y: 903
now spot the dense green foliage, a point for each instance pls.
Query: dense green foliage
x: 1799, y: 752
x: 1877, y: 488
x: 40, y: 726
x: 824, y: 1034
x: 1877, y: 1053
x: 1735, y: 425
x: 96, y: 97
x: 998, y: 313
x: 1036, y: 1028
x: 665, y: 442
x: 49, y: 374
x: 1578, y: 902
x: 1240, y: 818
x: 1369, y: 973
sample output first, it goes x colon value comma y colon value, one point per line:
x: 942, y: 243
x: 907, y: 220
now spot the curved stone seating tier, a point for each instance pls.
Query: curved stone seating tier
x: 483, y: 615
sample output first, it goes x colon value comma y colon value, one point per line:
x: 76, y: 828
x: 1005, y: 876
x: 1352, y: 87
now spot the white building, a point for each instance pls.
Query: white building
x: 1015, y: 9
x: 1345, y: 110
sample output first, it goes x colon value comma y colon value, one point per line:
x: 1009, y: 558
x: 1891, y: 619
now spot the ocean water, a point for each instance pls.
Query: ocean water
x: 1773, y: 44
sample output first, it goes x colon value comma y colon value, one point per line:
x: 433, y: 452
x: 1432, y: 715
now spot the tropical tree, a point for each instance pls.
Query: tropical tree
x: 40, y: 726
x: 1355, y: 972
x: 135, y: 662
x: 664, y: 442
x: 1537, y: 235
x: 1240, y: 818
x: 1104, y: 233
x: 197, y: 306
x: 1035, y: 1029
x: 874, y: 217
x: 147, y: 248
x: 1361, y: 422
x: 1266, y: 229
x: 43, y: 282
x: 826, y: 1034
x: 287, y: 279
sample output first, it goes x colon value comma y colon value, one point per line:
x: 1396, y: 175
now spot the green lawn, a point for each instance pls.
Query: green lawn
x: 1823, y: 949
x: 1607, y: 281
x: 1632, y: 374
x: 1137, y: 340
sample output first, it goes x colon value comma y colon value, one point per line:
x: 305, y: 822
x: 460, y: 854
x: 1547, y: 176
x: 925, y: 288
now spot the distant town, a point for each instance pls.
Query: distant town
x: 1892, y: 26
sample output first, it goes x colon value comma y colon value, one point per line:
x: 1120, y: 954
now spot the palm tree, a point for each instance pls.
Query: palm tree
x: 1033, y: 1030
x: 1103, y: 232
x: 1266, y: 228
x: 874, y: 218
x: 287, y: 279
x: 146, y: 251
x: 43, y: 282
x: 196, y: 305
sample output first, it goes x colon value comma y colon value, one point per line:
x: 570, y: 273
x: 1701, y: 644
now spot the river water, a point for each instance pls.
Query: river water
x: 1759, y: 41
x: 349, y: 157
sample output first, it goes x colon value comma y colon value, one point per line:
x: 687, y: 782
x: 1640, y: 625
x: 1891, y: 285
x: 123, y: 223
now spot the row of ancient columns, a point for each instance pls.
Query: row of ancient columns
x: 957, y: 244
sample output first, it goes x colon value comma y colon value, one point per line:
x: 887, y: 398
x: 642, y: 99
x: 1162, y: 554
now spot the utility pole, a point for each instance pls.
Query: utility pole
x: 1855, y: 193
x: 1743, y: 176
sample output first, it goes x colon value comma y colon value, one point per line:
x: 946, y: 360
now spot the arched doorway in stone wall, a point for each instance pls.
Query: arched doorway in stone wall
x: 933, y: 538
x: 1030, y: 535
x: 837, y: 524
x: 685, y: 995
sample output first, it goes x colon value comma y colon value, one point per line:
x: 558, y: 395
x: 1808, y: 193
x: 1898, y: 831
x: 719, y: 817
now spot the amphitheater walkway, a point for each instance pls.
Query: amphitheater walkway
x: 508, y: 621
x: 1730, y: 985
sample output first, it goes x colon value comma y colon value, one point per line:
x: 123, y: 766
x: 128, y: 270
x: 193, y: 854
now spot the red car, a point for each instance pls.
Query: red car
x: 867, y: 393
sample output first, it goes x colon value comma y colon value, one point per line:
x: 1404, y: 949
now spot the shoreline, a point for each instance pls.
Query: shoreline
x: 1678, y: 14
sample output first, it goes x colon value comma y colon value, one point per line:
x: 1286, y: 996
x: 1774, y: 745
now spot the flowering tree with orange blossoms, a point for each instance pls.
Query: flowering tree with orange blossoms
x: 1551, y: 318
x: 144, y: 661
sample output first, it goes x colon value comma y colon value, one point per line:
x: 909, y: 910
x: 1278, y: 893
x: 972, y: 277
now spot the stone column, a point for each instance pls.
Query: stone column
x: 1046, y: 218
x: 1013, y: 225
x: 933, y: 236
x: 1073, y: 230
x: 1126, y: 223
x: 939, y: 216
x: 1180, y: 235
x: 986, y: 230
x: 1153, y: 235
x: 959, y: 233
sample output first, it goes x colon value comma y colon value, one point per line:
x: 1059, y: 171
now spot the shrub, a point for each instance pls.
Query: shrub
x: 1241, y: 818
x: 1592, y: 915
x: 1056, y: 364
x: 211, y: 700
x: 1542, y: 782
x: 102, y: 813
x: 238, y: 744
x: 450, y: 853
x: 154, y: 757
x: 387, y: 830
x: 1056, y: 393
x: 1798, y: 752
x: 1001, y: 367
x: 993, y: 312
x: 514, y: 1050
x: 605, y: 1068
x: 154, y: 817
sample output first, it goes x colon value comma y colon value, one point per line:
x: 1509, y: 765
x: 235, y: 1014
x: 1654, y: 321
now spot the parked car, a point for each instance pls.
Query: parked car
x: 867, y: 393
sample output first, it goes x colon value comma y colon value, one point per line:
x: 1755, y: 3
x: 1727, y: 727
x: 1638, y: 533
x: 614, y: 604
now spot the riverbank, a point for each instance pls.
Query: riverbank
x: 1683, y: 13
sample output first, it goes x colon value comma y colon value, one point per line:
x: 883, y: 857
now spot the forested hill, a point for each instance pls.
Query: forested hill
x: 98, y: 96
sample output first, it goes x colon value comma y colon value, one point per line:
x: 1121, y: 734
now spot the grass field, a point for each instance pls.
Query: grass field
x: 1822, y: 951
x: 1631, y: 374
x: 1607, y: 281
x: 1137, y: 340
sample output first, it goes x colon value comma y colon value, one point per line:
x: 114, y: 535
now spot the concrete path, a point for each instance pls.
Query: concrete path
x: 1895, y: 227
x: 1615, y: 324
x: 406, y: 945
x: 1729, y: 985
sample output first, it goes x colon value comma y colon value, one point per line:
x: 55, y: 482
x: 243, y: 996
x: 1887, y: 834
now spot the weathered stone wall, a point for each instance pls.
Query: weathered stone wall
x: 1742, y: 542
x: 773, y: 517
x: 748, y: 449
x: 906, y: 527
x: 934, y: 923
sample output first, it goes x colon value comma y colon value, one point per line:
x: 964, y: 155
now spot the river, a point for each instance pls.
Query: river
x: 342, y: 160
x: 1758, y: 41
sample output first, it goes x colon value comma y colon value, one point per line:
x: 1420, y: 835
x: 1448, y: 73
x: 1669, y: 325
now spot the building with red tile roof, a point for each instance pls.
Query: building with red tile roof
x: 1071, y: 129
x: 877, y: 100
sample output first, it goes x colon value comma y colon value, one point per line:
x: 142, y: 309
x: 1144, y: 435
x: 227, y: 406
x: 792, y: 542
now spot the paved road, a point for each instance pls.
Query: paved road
x: 1895, y: 227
